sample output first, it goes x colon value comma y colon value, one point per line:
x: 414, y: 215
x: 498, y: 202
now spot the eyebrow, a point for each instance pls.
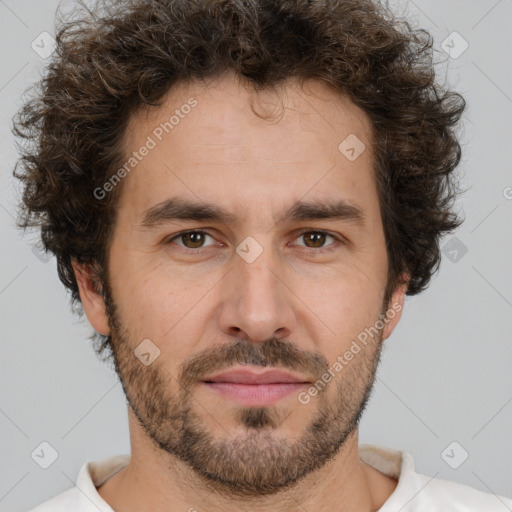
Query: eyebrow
x: 184, y: 209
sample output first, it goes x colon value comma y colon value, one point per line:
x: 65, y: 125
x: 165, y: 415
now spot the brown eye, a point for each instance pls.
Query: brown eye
x: 191, y: 239
x: 315, y: 239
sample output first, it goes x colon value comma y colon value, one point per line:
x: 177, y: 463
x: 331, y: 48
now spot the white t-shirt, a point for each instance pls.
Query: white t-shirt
x: 414, y: 493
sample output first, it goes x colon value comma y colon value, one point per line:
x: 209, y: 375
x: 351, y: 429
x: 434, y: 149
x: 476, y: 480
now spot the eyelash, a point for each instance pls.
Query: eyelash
x: 200, y: 250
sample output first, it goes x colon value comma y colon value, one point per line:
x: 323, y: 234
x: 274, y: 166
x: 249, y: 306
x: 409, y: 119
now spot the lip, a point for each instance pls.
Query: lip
x: 250, y: 388
x: 245, y: 376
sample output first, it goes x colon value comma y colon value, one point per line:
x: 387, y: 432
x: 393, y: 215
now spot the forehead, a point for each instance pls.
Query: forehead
x: 221, y: 138
x: 224, y: 104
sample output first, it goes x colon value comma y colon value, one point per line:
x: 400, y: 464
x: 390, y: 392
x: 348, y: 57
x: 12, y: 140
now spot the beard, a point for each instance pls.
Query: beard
x: 258, y: 460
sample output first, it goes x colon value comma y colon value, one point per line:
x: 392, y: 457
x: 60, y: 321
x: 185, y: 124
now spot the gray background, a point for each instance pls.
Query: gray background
x: 445, y: 374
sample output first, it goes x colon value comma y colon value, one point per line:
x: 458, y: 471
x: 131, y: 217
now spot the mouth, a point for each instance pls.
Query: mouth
x: 250, y: 388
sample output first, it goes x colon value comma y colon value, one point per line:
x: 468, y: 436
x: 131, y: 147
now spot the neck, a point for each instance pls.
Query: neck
x: 154, y: 480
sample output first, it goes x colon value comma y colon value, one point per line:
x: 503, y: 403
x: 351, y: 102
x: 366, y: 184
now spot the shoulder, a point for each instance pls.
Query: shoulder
x: 84, y: 497
x: 66, y: 501
x: 458, y: 497
x: 416, y: 492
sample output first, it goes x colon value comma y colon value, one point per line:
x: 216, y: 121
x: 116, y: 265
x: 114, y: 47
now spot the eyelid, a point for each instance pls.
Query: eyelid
x: 338, y: 238
x: 181, y: 233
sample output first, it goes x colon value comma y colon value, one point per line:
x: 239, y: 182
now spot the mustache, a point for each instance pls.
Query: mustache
x: 271, y: 353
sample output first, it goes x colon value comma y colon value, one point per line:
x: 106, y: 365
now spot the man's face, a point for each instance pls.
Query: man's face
x: 293, y: 296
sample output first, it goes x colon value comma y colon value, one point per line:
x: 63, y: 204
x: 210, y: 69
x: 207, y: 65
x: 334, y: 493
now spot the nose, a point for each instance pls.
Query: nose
x: 256, y: 302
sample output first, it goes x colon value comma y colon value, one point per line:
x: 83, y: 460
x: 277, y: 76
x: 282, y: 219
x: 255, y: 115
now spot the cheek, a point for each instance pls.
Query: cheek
x: 160, y: 304
x: 340, y: 307
x: 155, y: 311
x: 146, y: 304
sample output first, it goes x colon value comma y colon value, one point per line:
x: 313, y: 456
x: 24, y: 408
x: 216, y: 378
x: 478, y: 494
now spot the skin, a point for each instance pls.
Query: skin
x: 294, y: 307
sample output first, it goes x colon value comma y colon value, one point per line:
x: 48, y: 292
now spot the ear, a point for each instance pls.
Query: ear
x: 91, y: 297
x: 395, y: 306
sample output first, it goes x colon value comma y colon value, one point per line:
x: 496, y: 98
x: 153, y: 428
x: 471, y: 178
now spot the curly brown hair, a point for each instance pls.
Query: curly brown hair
x: 124, y: 55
